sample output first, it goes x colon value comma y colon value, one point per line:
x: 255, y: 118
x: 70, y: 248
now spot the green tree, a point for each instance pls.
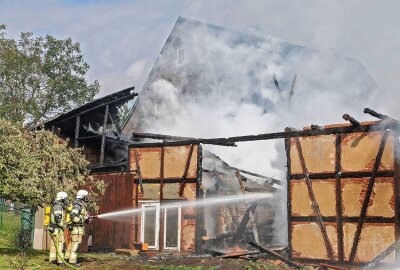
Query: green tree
x: 35, y: 165
x: 41, y: 77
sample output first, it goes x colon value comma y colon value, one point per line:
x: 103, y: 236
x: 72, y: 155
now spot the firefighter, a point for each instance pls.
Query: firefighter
x: 79, y: 217
x: 56, y: 228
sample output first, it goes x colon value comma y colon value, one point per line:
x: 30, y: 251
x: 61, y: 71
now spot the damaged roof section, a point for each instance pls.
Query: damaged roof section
x: 97, y: 126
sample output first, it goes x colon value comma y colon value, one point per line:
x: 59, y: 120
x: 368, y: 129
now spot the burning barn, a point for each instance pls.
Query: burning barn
x: 163, y: 174
x: 185, y: 87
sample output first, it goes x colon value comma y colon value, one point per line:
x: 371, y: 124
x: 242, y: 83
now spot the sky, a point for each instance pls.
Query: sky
x: 122, y: 39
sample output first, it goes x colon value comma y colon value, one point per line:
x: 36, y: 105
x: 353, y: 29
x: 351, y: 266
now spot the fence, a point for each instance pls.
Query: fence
x: 16, y: 226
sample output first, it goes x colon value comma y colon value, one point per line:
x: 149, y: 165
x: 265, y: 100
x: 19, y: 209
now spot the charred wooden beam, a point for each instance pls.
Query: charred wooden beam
x: 338, y: 190
x: 186, y: 170
x: 276, y: 255
x: 215, y: 172
x: 243, y: 223
x: 77, y: 126
x: 108, y: 137
x: 314, y: 203
x: 378, y: 126
x: 316, y: 127
x: 232, y: 233
x: 103, y: 137
x: 251, y: 213
x: 174, y: 138
x: 376, y: 114
x: 353, y: 121
x: 240, y: 254
x: 233, y: 215
x: 386, y: 173
x: 73, y: 114
x: 138, y: 170
x: 167, y: 180
x: 84, y: 138
x: 374, y: 219
x: 162, y: 161
x: 336, y: 267
x: 368, y: 195
x: 272, y: 180
x: 214, y: 252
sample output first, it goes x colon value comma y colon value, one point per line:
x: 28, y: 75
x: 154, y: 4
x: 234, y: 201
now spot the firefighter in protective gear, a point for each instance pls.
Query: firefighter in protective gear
x: 79, y: 217
x: 57, y: 226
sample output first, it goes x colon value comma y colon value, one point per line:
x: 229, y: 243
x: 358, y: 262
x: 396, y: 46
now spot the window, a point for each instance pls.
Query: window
x: 150, y: 224
x: 172, y: 228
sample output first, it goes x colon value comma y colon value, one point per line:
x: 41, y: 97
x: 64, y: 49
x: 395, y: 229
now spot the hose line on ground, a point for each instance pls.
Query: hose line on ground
x: 58, y: 252
x: 35, y: 266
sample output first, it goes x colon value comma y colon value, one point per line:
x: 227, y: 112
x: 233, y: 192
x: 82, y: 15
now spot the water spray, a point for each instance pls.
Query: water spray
x: 187, y: 204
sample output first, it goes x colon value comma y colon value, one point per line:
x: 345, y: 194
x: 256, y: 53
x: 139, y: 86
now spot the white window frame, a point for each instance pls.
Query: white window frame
x: 157, y: 231
x: 178, y: 247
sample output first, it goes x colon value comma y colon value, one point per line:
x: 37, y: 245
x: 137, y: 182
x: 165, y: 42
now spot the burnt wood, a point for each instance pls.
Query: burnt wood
x: 276, y: 255
x: 317, y: 176
x: 288, y: 197
x: 77, y: 126
x: 139, y: 172
x: 121, y: 96
x: 173, y: 138
x: 272, y: 180
x: 353, y: 121
x: 200, y: 223
x: 376, y: 126
x: 186, y: 170
x: 331, y: 266
x: 243, y: 223
x: 162, y: 155
x: 103, y: 135
x: 338, y: 190
x: 232, y: 213
x: 344, y: 219
x: 251, y: 213
x: 314, y: 203
x: 165, y: 181
x: 367, y: 197
x: 375, y: 114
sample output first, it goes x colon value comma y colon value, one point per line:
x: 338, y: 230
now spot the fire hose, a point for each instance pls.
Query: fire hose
x: 57, y: 247
x: 55, y: 240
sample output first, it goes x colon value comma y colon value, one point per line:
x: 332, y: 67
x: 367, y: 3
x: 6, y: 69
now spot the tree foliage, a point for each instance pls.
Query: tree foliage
x: 40, y: 77
x: 35, y: 165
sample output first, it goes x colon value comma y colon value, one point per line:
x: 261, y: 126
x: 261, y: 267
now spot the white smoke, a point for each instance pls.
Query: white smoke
x: 225, y: 88
x: 222, y: 86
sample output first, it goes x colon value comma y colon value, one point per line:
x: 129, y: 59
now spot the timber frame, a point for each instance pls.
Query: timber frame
x: 385, y: 125
x: 388, y: 128
x: 199, y: 226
